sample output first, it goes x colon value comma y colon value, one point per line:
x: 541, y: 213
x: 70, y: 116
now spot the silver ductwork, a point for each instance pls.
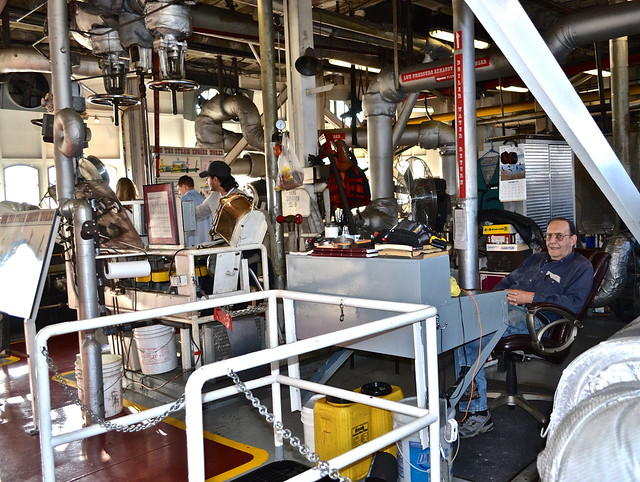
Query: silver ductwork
x: 593, y: 25
x: 584, y: 27
x: 379, y: 103
x: 29, y: 60
x: 224, y: 108
x: 210, y: 133
x: 620, y: 247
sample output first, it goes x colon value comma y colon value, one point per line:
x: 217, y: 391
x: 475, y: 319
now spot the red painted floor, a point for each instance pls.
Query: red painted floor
x: 155, y: 454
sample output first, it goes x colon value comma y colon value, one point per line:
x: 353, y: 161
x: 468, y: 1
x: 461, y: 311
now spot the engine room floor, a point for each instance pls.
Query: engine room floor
x: 238, y: 440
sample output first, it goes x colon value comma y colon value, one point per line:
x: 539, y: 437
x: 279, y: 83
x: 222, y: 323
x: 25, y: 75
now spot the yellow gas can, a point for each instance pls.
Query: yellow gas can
x: 339, y: 426
x: 381, y: 421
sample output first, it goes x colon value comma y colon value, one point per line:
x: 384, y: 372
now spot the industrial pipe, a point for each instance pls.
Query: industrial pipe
x: 268, y: 73
x: 29, y: 60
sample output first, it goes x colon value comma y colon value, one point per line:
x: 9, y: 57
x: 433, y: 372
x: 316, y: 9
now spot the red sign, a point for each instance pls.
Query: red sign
x: 441, y: 74
x: 459, y: 111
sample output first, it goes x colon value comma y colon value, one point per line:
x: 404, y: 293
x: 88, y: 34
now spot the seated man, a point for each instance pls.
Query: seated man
x: 560, y: 276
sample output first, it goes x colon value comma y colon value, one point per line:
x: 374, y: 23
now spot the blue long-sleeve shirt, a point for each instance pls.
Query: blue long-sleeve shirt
x: 566, y: 282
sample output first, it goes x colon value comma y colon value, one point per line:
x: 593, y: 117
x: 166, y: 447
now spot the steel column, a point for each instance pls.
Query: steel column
x: 466, y: 144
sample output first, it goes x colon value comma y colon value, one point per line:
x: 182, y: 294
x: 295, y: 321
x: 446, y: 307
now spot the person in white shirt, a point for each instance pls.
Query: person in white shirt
x: 221, y: 182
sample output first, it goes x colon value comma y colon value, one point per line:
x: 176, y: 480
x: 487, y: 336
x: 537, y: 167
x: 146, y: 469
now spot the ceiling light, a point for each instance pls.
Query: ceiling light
x: 342, y: 63
x: 605, y: 73
x: 447, y: 36
x: 513, y: 88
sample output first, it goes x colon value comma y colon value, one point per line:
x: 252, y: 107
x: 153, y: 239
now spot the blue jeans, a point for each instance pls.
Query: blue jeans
x: 467, y: 354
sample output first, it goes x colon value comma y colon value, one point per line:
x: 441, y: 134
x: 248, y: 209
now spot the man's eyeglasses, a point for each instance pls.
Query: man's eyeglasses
x: 557, y: 236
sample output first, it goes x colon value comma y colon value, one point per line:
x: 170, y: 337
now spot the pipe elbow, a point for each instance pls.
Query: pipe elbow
x: 69, y: 132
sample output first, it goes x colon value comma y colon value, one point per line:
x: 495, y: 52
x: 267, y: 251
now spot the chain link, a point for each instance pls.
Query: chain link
x: 341, y: 311
x: 103, y: 422
x: 252, y: 310
x: 323, y: 466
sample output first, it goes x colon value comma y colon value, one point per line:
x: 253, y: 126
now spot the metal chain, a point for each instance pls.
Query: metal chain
x: 341, y: 311
x: 103, y: 422
x: 252, y: 310
x: 323, y: 466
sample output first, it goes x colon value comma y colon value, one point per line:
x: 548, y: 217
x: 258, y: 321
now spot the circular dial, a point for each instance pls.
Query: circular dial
x: 280, y: 124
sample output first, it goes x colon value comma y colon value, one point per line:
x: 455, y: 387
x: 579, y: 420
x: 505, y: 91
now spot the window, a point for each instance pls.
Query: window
x: 21, y: 184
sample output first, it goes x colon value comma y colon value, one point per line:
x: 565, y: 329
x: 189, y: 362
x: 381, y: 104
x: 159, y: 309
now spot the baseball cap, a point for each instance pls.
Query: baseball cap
x: 217, y: 168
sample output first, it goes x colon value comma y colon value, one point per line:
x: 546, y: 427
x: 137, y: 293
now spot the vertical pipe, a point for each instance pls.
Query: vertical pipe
x: 466, y: 144
x: 621, y: 124
x: 603, y: 107
x: 268, y: 74
x: 78, y: 210
x: 135, y: 135
x: 379, y: 114
x: 403, y: 117
x: 86, y: 281
x: 61, y: 88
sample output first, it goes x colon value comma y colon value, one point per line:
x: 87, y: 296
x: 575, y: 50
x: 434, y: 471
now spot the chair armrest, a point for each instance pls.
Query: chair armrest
x: 566, y: 317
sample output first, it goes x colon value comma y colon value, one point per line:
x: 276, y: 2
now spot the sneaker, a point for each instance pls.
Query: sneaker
x: 475, y: 424
x: 490, y: 361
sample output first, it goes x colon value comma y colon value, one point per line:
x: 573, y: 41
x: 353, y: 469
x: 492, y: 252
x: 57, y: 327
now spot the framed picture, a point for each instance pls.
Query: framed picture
x: 160, y: 213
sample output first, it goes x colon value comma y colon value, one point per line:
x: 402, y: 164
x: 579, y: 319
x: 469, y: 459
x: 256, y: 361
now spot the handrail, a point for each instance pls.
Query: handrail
x: 410, y: 314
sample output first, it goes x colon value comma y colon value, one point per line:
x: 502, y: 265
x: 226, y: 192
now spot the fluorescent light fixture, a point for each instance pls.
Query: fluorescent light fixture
x: 605, y: 73
x: 342, y: 63
x: 421, y: 108
x: 447, y: 36
x: 513, y: 88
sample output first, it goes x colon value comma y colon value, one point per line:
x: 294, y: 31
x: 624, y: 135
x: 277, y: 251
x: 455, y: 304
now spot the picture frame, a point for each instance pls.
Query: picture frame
x: 160, y: 214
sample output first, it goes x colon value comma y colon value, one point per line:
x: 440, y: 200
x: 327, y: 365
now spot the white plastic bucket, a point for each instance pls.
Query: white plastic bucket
x: 413, y: 460
x: 111, y: 382
x: 306, y: 416
x: 156, y: 347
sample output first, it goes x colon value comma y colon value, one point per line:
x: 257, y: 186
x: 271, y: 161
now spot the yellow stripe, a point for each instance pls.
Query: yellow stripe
x: 260, y: 456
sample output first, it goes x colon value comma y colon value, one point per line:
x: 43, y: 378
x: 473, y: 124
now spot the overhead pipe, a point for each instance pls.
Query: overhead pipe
x: 224, y: 23
x: 385, y: 91
x: 587, y: 26
x: 21, y: 59
x: 227, y: 107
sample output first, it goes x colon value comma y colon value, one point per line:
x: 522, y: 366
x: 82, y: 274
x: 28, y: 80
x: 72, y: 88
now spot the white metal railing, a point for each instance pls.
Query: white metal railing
x: 425, y: 348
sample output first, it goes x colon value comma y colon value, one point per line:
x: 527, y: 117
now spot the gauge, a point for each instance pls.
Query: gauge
x: 281, y: 125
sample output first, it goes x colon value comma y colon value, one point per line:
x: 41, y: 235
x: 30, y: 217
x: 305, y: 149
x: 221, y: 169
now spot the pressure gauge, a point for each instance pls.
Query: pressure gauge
x: 281, y: 125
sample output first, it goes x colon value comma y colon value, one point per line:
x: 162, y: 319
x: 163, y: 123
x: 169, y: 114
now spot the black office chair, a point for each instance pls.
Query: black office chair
x: 551, y: 343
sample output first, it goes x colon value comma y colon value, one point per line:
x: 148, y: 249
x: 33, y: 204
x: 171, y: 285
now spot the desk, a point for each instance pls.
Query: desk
x: 424, y: 281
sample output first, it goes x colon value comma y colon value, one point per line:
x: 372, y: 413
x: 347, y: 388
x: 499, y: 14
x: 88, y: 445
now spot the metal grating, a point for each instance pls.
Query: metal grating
x: 550, y: 181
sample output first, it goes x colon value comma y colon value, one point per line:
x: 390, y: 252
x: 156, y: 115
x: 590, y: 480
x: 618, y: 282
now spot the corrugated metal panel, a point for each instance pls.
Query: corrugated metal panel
x: 550, y: 181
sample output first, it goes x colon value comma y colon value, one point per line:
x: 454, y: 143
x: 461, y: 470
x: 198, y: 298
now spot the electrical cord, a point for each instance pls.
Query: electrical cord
x: 477, y: 364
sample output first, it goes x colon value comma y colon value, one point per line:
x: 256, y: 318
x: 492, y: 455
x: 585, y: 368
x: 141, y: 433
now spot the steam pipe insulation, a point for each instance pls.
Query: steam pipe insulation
x: 29, y: 60
x: 379, y: 106
x: 581, y: 28
x: 621, y: 247
x: 427, y: 134
x: 223, y: 108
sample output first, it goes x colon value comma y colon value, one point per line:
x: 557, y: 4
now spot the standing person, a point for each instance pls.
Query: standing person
x: 221, y: 182
x: 203, y: 226
x: 126, y: 190
x: 558, y: 275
